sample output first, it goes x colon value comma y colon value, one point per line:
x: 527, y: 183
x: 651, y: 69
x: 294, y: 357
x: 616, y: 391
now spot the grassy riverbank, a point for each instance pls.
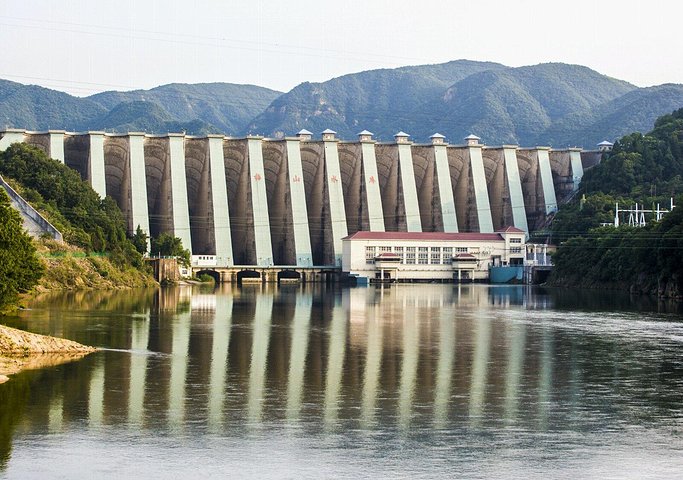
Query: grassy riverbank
x: 70, y: 268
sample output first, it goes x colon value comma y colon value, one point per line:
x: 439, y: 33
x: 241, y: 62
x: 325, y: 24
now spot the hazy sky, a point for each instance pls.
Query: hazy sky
x: 86, y: 46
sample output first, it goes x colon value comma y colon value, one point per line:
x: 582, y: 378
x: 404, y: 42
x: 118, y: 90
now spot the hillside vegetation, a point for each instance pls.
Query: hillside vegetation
x: 549, y: 104
x: 647, y: 169
x: 20, y: 268
x: 98, y: 253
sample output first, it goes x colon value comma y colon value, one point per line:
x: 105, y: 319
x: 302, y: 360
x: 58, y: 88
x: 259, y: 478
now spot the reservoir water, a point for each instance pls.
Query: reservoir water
x: 321, y: 382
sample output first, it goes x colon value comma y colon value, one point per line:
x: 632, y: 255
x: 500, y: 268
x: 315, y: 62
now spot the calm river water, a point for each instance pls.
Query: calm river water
x: 315, y: 382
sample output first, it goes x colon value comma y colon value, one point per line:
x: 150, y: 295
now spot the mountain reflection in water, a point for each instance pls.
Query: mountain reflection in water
x: 445, y: 375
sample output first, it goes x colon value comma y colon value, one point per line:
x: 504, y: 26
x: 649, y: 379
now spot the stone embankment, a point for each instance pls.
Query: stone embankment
x: 21, y: 350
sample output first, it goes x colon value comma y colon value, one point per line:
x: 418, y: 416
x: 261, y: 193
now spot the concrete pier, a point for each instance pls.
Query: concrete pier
x: 411, y: 205
x: 547, y: 179
x: 299, y: 212
x: 481, y: 194
x: 167, y: 187
x: 514, y: 184
x: 443, y: 175
x: 371, y: 178
x: 335, y: 194
x: 262, y: 239
x: 219, y: 200
x: 577, y: 167
x: 96, y: 173
x: 56, y: 144
x: 10, y: 136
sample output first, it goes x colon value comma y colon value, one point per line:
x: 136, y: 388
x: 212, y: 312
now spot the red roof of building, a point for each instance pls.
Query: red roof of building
x: 388, y: 255
x: 465, y: 256
x: 510, y: 230
x: 426, y: 236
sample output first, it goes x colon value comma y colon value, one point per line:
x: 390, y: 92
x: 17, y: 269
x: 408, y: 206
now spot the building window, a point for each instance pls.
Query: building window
x: 385, y: 249
x: 515, y: 240
x: 515, y: 249
x: 460, y: 249
x: 423, y: 255
x: 447, y: 252
x: 436, y: 256
x: 399, y: 251
x: 370, y: 255
x: 410, y: 255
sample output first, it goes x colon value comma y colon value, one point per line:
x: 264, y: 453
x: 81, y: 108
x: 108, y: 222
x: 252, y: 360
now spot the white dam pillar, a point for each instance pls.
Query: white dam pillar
x: 138, y: 182
x: 443, y: 176
x: 577, y: 166
x: 264, y: 248
x: 515, y: 187
x: 411, y: 205
x: 336, y: 193
x: 10, y: 136
x: 302, y: 237
x: 181, y: 210
x: 219, y: 198
x: 56, y: 144
x: 546, y: 179
x: 96, y: 171
x: 371, y: 180
x: 481, y: 192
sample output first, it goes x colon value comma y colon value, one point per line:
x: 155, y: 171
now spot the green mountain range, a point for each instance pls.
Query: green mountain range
x: 549, y: 104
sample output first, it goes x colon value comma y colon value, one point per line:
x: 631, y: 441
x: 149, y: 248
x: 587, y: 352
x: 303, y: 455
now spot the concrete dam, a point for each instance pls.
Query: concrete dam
x: 289, y: 202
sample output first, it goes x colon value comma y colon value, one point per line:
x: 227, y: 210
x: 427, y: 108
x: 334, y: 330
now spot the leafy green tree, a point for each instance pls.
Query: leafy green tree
x: 166, y: 245
x: 140, y: 240
x: 20, y: 268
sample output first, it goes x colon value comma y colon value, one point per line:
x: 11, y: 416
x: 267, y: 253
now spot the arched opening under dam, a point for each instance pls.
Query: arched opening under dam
x: 288, y: 276
x: 211, y: 273
x: 250, y: 276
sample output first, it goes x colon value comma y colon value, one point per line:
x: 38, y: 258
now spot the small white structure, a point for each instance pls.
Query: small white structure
x: 304, y: 135
x: 605, y: 146
x: 329, y: 135
x: 402, y: 137
x: 431, y: 256
x: 204, y: 261
x: 472, y: 140
x: 438, y: 139
x: 365, y: 136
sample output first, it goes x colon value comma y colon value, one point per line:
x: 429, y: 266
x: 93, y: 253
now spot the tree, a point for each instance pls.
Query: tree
x: 166, y: 245
x: 140, y: 240
x: 20, y: 268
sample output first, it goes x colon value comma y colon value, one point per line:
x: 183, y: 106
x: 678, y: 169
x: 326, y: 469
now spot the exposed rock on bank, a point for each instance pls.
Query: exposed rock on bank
x: 21, y: 350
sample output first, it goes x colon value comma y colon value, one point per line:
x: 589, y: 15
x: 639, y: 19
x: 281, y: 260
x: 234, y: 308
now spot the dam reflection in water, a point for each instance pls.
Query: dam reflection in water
x: 412, y: 360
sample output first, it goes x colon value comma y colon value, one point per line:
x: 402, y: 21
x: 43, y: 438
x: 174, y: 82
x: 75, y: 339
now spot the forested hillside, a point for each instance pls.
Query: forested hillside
x: 647, y: 169
x: 196, y: 109
x: 98, y: 252
x: 219, y: 107
x: 549, y: 104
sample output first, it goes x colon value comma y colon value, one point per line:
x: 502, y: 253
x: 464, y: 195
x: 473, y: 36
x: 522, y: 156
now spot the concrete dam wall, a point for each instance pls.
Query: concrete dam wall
x: 265, y: 202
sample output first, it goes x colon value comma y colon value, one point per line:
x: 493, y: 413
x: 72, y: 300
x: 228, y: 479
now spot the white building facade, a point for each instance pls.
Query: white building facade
x: 430, y: 256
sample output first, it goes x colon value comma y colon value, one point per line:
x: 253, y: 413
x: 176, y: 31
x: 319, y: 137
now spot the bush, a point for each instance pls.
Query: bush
x: 205, y: 278
x: 20, y: 268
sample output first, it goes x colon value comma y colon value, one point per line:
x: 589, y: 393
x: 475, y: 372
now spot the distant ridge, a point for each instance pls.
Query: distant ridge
x: 548, y: 104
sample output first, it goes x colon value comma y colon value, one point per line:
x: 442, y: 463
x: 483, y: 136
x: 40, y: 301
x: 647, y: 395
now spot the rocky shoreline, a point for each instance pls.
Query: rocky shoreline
x: 20, y: 350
